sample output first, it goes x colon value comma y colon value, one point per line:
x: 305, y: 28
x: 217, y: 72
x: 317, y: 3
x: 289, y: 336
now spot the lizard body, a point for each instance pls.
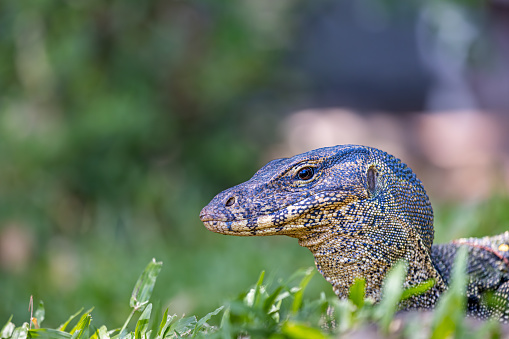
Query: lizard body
x: 359, y: 210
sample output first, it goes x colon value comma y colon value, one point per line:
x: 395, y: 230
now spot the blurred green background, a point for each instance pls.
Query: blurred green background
x: 120, y: 120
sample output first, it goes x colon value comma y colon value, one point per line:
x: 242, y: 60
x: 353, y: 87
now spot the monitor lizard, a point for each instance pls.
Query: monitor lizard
x: 359, y: 210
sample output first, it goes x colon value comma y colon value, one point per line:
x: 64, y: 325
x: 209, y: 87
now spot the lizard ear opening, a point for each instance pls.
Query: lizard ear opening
x: 372, y: 178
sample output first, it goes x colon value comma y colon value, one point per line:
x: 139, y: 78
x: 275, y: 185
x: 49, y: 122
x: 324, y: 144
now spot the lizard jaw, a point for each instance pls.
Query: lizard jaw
x: 278, y: 222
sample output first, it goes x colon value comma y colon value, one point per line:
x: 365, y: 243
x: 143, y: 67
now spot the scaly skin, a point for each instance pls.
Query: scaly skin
x: 359, y: 210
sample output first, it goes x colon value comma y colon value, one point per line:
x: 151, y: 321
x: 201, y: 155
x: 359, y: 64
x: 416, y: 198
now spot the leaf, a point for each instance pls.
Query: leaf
x: 20, y: 332
x: 418, y: 289
x: 81, y: 329
x: 283, y: 296
x: 39, y: 313
x: 7, y: 330
x: 164, y: 322
x: 142, y: 324
x: 102, y: 333
x: 168, y: 320
x: 358, y: 292
x: 47, y: 333
x: 204, y: 320
x: 269, y: 301
x: 183, y: 325
x: 225, y: 326
x: 144, y: 286
x: 64, y: 325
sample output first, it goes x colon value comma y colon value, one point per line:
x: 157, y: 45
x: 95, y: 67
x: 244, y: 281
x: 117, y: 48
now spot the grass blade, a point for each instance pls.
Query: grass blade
x: 417, y: 290
x: 203, y: 320
x: 144, y: 286
x: 81, y: 329
x: 142, y: 324
x: 155, y: 320
x: 64, y: 325
x: 183, y: 325
x: 47, y: 333
x: 300, y: 331
x: 358, y: 292
x: 450, y: 310
x: 391, y: 295
x: 257, y: 290
x: 297, y: 301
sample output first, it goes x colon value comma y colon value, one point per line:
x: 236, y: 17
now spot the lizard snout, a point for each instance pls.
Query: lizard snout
x: 207, y: 214
x: 210, y: 212
x: 204, y: 216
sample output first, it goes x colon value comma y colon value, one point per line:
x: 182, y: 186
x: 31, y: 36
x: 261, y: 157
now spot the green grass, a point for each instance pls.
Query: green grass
x: 276, y: 310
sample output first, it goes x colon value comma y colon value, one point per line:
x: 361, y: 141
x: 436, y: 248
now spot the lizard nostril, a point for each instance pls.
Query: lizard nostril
x: 230, y: 201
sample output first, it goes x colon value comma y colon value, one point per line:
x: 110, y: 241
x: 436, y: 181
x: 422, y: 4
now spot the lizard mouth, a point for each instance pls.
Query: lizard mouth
x: 278, y: 222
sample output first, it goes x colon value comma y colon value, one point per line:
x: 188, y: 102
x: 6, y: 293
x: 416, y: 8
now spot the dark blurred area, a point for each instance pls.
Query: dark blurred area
x: 120, y: 120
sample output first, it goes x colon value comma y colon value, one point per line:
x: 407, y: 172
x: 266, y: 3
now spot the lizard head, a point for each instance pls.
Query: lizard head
x: 346, y: 186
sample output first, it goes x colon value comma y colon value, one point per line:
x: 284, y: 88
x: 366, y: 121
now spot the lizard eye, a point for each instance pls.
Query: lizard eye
x: 230, y: 201
x: 372, y: 176
x: 305, y: 173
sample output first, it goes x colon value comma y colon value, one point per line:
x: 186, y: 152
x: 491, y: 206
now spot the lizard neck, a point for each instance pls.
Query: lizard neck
x: 364, y: 252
